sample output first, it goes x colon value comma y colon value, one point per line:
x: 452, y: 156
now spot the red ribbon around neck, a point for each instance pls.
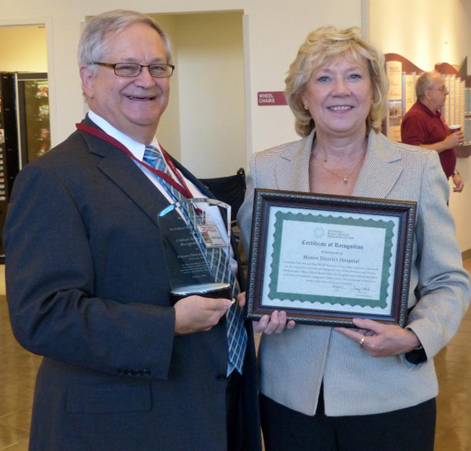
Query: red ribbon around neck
x: 181, y: 187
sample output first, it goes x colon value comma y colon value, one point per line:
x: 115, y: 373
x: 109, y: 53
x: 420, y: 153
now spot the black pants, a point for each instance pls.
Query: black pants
x: 235, y: 436
x: 411, y: 429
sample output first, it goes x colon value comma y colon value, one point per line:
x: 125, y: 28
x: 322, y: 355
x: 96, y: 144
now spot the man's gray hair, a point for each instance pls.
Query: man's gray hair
x: 424, y: 82
x: 92, y: 46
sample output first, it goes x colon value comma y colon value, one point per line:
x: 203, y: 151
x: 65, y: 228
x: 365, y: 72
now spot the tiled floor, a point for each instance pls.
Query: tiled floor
x: 453, y: 365
x: 18, y: 369
x: 17, y: 374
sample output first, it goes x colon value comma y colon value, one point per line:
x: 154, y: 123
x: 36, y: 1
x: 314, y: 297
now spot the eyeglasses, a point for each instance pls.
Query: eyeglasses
x: 134, y: 69
x: 441, y: 89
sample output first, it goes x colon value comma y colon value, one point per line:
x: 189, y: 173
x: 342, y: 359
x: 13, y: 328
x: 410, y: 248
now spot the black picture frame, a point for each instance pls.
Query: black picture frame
x: 330, y: 283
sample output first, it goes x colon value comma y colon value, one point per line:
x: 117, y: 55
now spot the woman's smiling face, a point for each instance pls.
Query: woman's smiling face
x: 339, y: 96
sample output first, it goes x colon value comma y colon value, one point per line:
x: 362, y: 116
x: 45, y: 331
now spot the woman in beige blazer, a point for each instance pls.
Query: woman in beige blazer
x: 372, y: 387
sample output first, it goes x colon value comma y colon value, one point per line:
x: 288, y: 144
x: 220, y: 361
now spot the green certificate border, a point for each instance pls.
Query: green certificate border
x: 388, y: 226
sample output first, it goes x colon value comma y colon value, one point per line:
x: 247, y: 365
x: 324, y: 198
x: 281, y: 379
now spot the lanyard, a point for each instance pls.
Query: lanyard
x: 181, y: 187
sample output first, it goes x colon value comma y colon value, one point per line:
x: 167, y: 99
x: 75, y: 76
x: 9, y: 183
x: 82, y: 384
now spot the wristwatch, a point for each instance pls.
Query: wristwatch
x: 455, y: 172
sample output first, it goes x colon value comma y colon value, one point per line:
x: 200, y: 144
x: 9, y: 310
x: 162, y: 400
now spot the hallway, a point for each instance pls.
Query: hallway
x: 18, y: 369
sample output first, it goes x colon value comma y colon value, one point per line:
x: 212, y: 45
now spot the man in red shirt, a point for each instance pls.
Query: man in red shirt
x: 424, y: 126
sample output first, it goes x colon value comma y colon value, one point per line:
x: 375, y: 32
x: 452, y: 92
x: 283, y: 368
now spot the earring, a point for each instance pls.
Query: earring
x: 306, y: 107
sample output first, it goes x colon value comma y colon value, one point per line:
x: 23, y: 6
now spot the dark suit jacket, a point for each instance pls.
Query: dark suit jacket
x: 87, y: 288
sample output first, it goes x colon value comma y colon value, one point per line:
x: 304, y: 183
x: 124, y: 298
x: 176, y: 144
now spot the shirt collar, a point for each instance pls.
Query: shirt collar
x: 428, y: 110
x: 136, y: 148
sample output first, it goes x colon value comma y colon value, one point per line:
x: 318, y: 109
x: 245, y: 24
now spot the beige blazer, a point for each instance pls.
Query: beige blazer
x: 295, y: 363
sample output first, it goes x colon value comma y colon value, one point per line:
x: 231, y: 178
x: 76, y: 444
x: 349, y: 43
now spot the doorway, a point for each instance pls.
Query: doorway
x: 205, y: 126
x: 24, y: 105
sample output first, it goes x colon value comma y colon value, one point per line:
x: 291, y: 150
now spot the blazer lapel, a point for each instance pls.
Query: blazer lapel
x: 292, y: 168
x: 119, y: 168
x: 381, y: 169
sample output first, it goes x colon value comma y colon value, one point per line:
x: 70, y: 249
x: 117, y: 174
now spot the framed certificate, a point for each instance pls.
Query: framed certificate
x: 328, y: 259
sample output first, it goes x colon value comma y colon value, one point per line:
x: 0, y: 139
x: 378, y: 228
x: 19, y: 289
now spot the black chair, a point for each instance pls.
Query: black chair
x: 230, y: 190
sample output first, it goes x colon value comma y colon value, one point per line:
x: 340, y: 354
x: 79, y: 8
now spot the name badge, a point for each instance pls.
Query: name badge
x: 211, y: 235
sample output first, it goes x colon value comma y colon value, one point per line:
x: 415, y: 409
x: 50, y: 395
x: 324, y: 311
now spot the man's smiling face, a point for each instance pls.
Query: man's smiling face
x: 132, y: 105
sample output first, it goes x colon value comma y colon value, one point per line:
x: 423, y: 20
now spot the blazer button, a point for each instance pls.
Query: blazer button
x: 221, y: 378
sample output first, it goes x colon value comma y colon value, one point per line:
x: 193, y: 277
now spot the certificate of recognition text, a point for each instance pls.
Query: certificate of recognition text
x: 333, y: 260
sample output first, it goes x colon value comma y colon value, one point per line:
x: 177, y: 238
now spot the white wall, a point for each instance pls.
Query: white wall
x: 427, y: 32
x: 276, y: 31
x: 169, y: 130
x: 211, y: 67
x: 424, y: 31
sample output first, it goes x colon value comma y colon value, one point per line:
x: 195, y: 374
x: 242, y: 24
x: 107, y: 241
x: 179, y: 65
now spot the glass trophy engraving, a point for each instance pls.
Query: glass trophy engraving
x: 194, y: 233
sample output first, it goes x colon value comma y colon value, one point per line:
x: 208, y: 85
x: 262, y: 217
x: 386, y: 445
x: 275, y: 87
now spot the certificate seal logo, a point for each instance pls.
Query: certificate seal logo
x: 318, y: 232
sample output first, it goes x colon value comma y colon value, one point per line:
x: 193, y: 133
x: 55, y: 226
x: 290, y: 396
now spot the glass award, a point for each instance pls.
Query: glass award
x: 194, y: 233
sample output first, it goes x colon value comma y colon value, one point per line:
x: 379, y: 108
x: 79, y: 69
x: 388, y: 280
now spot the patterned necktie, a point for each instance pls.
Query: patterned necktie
x: 218, y: 262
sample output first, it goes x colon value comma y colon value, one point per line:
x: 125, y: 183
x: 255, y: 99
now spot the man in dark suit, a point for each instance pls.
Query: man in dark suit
x: 87, y: 282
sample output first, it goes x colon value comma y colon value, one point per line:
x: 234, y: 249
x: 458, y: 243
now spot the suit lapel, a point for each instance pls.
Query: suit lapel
x: 119, y: 168
x: 129, y: 178
x: 292, y: 168
x: 381, y: 169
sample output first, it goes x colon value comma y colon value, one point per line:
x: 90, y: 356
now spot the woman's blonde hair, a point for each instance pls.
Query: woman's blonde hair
x: 320, y: 48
